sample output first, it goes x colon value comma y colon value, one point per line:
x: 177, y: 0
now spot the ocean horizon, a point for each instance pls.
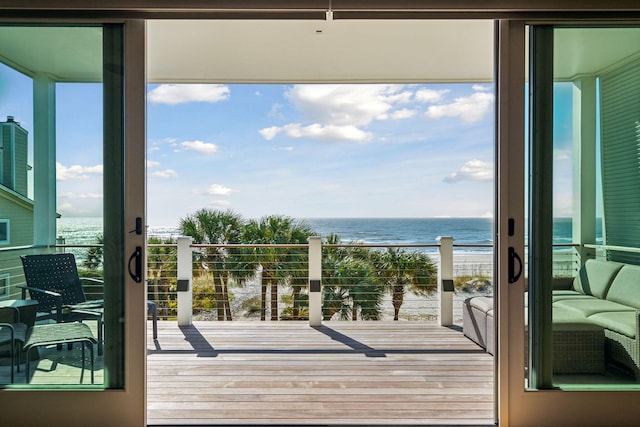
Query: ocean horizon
x: 371, y: 231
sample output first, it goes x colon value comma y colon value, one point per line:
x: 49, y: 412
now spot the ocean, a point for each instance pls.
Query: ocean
x: 400, y: 231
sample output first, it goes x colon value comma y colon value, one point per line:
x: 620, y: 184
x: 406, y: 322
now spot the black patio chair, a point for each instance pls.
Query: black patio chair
x: 52, y: 280
x: 12, y: 334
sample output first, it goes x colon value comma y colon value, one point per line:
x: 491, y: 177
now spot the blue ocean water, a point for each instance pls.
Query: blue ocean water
x: 405, y: 230
x: 473, y: 231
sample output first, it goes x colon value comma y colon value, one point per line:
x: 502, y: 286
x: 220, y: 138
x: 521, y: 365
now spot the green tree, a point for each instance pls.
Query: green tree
x: 351, y: 286
x: 162, y: 273
x: 403, y: 271
x: 275, y: 263
x: 210, y: 226
x: 93, y: 261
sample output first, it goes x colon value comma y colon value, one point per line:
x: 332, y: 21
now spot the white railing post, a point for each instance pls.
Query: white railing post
x: 185, y: 275
x: 445, y: 281
x: 315, y: 281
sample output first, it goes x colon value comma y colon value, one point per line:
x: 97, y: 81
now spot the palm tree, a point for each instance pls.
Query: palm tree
x: 210, y: 226
x: 275, y: 263
x: 402, y: 270
x: 351, y: 286
x: 94, y: 255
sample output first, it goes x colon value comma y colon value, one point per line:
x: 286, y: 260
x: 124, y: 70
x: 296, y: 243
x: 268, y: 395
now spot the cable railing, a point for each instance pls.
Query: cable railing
x: 271, y: 282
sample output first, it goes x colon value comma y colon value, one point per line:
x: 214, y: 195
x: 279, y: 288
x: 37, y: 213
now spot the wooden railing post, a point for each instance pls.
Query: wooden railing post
x: 315, y: 281
x: 185, y: 275
x: 445, y: 281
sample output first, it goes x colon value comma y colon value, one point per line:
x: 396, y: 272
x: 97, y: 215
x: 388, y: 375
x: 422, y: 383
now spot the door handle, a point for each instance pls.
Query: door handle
x: 137, y: 257
x: 513, y: 257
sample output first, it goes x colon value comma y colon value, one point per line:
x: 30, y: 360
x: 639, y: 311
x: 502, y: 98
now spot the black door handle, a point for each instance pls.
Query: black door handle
x: 513, y: 257
x: 137, y: 256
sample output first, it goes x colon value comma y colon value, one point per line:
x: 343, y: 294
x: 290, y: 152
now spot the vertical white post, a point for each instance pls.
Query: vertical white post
x: 315, y: 281
x: 185, y: 273
x: 445, y: 281
x: 44, y: 161
x: 584, y: 166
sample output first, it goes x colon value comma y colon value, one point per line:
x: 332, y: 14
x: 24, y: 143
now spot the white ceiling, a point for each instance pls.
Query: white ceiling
x: 320, y: 51
x: 261, y: 51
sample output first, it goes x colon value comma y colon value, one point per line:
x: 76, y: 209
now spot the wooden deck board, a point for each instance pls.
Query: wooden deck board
x: 364, y: 373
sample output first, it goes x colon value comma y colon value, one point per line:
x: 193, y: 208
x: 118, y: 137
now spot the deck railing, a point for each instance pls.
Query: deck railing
x: 273, y: 282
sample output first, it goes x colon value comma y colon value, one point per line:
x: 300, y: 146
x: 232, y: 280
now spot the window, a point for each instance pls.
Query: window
x: 4, y: 232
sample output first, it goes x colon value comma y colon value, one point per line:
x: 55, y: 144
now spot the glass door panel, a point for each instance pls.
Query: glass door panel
x: 64, y: 200
x: 583, y: 227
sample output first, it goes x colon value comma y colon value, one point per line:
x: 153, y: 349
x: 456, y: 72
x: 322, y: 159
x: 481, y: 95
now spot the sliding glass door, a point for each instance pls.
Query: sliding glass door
x: 72, y: 186
x: 571, y: 255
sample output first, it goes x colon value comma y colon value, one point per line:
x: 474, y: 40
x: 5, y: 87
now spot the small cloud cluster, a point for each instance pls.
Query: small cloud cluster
x: 468, y: 108
x: 173, y: 94
x: 217, y: 190
x: 473, y: 170
x: 164, y: 174
x: 199, y: 147
x: 64, y: 173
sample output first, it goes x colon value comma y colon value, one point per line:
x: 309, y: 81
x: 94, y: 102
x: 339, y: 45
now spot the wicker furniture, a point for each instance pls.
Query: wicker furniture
x: 602, y: 300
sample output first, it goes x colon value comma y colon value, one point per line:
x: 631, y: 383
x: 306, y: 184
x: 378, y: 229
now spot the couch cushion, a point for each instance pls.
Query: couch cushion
x: 623, y: 322
x: 561, y: 295
x: 596, y: 277
x: 625, y: 288
x: 483, y: 304
x: 590, y: 306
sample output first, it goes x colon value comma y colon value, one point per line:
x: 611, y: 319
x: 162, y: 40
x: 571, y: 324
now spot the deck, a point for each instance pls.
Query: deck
x: 366, y: 373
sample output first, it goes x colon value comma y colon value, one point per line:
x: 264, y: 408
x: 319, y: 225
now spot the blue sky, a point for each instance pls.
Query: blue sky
x: 321, y: 150
x: 305, y: 151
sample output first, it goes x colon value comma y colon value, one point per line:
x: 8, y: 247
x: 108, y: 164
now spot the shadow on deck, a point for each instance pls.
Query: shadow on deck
x: 358, y: 373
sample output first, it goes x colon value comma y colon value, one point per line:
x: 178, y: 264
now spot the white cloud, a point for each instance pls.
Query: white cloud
x: 481, y: 88
x: 167, y: 173
x: 220, y: 190
x: 71, y: 195
x: 473, y: 170
x: 288, y: 148
x: 329, y: 132
x: 346, y: 105
x: 64, y: 173
x: 469, y: 109
x: 404, y: 113
x: 430, y: 95
x: 173, y: 94
x: 270, y: 133
x: 152, y: 164
x: 199, y: 147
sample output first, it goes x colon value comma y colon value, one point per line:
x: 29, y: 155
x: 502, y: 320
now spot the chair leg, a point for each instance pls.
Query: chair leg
x: 90, y: 344
x: 100, y: 336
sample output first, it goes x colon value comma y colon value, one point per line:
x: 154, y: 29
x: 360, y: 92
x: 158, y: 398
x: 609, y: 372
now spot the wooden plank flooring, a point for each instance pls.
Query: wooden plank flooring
x: 364, y: 373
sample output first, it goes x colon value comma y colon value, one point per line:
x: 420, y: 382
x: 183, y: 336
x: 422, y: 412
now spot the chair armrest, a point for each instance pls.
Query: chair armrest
x: 43, y: 291
x: 56, y: 295
x: 92, y: 280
